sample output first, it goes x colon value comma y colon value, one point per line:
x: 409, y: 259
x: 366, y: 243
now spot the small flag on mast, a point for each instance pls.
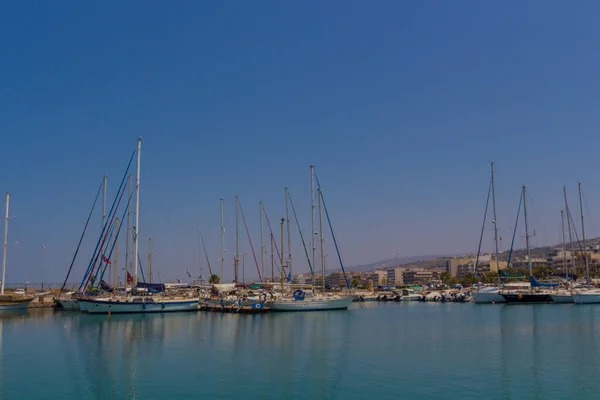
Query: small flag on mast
x: 106, y: 260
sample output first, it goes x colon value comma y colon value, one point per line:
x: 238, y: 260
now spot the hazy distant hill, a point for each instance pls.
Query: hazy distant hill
x: 439, y: 261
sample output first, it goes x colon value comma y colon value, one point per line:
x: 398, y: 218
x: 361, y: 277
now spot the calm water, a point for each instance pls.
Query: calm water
x: 381, y: 351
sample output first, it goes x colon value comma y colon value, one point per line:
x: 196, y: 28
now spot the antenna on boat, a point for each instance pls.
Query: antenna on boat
x: 136, y: 244
x: 5, y: 242
x: 149, y: 260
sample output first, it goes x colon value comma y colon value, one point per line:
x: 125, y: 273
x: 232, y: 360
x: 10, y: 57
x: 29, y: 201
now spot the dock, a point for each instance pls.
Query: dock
x: 233, y: 308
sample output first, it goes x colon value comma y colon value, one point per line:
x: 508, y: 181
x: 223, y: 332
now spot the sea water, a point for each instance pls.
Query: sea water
x: 373, y: 351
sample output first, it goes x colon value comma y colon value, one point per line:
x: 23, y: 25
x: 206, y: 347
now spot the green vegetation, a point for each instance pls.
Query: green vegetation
x: 214, y: 279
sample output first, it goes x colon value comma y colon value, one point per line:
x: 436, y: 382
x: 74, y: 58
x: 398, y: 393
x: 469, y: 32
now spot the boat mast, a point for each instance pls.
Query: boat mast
x: 564, y: 244
x: 222, y: 244
x: 289, y: 235
x: 262, y: 245
x: 587, y: 265
x: 569, y: 222
x: 127, y: 242
x: 272, y: 259
x: 136, y: 244
x: 149, y: 260
x: 236, y: 257
x: 321, y: 239
x: 527, y: 231
x: 282, y: 253
x: 312, y: 215
x: 116, y: 259
x: 104, y: 179
x: 5, y: 242
x: 495, y: 225
x: 200, y: 252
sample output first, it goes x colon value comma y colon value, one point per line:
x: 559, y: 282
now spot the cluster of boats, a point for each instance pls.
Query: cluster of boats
x: 523, y: 293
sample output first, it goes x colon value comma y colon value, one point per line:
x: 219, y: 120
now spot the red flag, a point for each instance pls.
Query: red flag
x: 106, y: 260
x: 129, y: 277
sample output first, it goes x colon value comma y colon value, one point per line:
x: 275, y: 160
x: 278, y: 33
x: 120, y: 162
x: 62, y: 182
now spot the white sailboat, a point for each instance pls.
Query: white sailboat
x: 137, y: 304
x: 565, y: 296
x: 489, y: 295
x: 309, y: 300
x: 14, y: 301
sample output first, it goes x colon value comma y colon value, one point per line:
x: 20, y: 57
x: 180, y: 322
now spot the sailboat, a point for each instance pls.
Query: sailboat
x: 141, y: 303
x: 490, y: 294
x: 533, y: 295
x: 302, y: 300
x: 565, y: 296
x: 15, y: 301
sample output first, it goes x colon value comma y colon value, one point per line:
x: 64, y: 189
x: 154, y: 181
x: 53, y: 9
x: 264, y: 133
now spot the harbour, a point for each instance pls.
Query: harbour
x: 423, y: 350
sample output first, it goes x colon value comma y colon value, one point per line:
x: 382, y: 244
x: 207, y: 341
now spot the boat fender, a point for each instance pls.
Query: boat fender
x: 520, y: 296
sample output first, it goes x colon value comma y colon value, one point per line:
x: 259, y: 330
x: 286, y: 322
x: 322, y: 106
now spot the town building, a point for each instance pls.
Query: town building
x: 394, y: 276
x: 413, y: 276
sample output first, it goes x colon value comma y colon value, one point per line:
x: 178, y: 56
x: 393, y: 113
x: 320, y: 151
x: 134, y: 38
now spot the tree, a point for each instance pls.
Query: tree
x: 355, y: 282
x: 445, y: 277
x: 468, y: 279
x: 214, y: 279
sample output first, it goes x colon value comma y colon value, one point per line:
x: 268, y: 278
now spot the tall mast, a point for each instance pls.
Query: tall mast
x: 200, y: 252
x: 569, y: 223
x: 5, y: 242
x: 116, y: 259
x: 527, y: 231
x: 236, y: 257
x: 136, y: 242
x: 104, y: 179
x: 495, y: 225
x: 312, y: 215
x: 262, y: 246
x: 282, y: 253
x: 149, y: 260
x: 222, y: 244
x: 272, y: 259
x: 564, y: 244
x: 587, y: 265
x: 321, y: 239
x: 127, y: 242
x: 289, y: 235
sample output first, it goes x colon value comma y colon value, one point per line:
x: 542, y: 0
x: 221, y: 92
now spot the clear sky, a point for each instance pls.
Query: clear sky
x: 400, y: 105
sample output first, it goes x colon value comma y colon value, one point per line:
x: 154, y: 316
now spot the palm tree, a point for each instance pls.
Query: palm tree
x: 214, y: 279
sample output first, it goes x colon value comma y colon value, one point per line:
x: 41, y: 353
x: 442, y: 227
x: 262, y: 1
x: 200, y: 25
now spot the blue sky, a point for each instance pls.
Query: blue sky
x: 400, y: 105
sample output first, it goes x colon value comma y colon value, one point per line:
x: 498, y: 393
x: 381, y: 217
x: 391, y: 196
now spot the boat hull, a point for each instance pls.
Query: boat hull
x: 527, y: 298
x: 129, y: 307
x: 586, y: 298
x: 15, y: 305
x: 312, y: 305
x: 410, y: 297
x: 488, y: 297
x: 68, y: 304
x: 563, y: 298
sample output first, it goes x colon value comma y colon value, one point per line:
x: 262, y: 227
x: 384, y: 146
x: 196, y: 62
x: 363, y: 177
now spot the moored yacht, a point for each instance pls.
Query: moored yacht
x: 488, y: 295
x: 308, y: 301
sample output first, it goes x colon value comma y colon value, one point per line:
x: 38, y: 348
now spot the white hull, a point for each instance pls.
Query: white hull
x: 69, y: 304
x: 104, y: 306
x: 488, y: 297
x: 410, y: 297
x: 313, y: 304
x: 563, y: 298
x: 587, y: 298
x: 15, y: 305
